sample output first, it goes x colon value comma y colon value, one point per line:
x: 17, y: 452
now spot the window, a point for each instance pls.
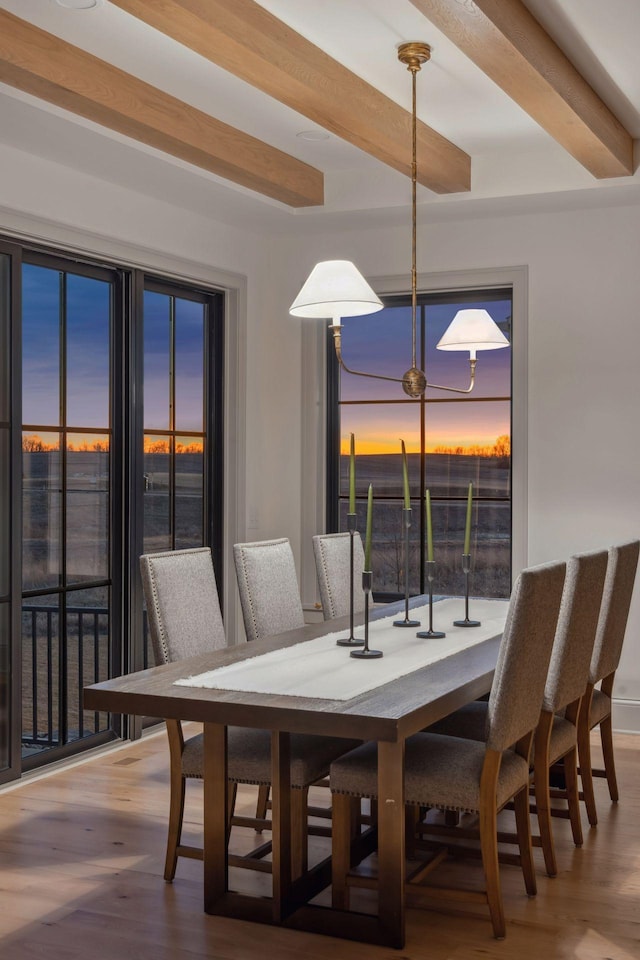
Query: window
x: 67, y: 322
x: 451, y: 439
x: 110, y: 445
x: 182, y: 486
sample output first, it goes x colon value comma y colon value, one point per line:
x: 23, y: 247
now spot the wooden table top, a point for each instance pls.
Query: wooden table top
x: 390, y: 712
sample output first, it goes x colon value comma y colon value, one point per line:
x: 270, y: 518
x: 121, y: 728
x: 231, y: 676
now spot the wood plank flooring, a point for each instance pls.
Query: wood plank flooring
x: 82, y: 855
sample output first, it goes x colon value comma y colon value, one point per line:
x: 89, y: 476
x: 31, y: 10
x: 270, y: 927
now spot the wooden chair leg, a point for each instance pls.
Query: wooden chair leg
x: 411, y: 817
x: 176, y: 812
x: 541, y: 788
x: 489, y: 841
x: 341, y: 834
x: 606, y: 738
x: 586, y: 776
x: 263, y: 801
x: 489, y: 848
x: 356, y: 825
x: 299, y: 833
x: 232, y: 792
x: 584, y: 756
x: 523, y: 827
x: 573, y: 795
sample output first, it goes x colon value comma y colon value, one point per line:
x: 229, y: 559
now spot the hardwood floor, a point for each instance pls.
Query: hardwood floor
x: 82, y: 856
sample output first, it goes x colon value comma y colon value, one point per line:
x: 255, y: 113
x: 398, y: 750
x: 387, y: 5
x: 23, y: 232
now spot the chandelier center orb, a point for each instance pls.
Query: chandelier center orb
x: 414, y: 383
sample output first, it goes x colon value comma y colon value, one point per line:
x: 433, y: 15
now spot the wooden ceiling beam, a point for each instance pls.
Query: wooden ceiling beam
x: 506, y: 41
x: 248, y: 41
x: 54, y: 70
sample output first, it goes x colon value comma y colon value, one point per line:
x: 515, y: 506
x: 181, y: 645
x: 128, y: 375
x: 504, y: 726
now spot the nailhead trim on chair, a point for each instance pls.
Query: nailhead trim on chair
x: 247, y: 588
x: 324, y: 566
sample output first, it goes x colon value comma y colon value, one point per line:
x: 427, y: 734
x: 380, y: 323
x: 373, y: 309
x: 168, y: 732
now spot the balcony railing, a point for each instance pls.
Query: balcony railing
x: 54, y: 674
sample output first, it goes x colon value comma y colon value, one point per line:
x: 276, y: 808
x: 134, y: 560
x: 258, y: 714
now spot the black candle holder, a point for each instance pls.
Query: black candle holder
x: 350, y: 641
x: 406, y: 522
x: 430, y: 634
x: 466, y: 567
x: 365, y: 653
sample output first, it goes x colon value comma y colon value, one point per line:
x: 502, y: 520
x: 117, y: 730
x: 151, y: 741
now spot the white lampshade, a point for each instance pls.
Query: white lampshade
x: 334, y: 289
x: 472, y: 330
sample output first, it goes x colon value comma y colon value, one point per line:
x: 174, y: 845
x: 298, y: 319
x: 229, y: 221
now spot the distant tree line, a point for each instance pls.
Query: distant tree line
x: 32, y: 443
x: 501, y: 448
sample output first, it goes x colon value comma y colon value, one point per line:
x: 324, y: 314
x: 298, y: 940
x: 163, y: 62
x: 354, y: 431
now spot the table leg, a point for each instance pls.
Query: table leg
x: 391, y: 842
x: 216, y: 865
x: 281, y: 823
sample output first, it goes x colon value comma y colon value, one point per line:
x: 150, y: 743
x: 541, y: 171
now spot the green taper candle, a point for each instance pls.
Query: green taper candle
x: 467, y: 529
x: 405, y: 478
x: 367, y: 537
x: 427, y: 498
x: 352, y: 476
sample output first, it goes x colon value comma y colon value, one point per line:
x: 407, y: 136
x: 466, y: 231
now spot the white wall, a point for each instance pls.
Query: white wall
x: 583, y: 345
x: 55, y: 204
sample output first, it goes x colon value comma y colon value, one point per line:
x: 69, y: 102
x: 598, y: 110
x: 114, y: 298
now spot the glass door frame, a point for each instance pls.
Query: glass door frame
x: 12, y: 367
x: 127, y: 463
x: 213, y: 426
x: 213, y: 414
x: 119, y: 321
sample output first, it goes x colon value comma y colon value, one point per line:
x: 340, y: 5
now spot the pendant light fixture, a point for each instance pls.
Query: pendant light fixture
x: 336, y: 289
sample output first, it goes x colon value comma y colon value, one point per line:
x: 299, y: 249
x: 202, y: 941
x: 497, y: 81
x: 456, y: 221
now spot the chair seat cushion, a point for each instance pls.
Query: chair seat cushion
x: 249, y: 756
x: 600, y: 708
x: 440, y: 771
x: 563, y: 738
x: 469, y: 722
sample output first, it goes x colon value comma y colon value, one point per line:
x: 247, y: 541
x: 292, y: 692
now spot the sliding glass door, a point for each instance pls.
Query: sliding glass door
x: 67, y: 322
x: 111, y: 445
x: 182, y: 413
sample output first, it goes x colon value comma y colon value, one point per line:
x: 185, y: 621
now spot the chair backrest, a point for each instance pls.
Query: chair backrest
x: 182, y: 603
x: 269, y: 593
x: 525, y: 651
x: 576, y: 630
x: 332, y: 552
x: 616, y: 600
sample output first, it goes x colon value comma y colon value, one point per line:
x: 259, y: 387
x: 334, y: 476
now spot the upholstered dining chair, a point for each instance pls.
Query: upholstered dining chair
x: 268, y: 586
x: 185, y: 620
x: 470, y: 775
x: 270, y: 601
x: 556, y: 738
x: 612, y: 624
x: 332, y: 552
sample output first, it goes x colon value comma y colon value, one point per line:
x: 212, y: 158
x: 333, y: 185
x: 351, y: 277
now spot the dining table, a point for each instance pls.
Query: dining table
x: 408, y: 694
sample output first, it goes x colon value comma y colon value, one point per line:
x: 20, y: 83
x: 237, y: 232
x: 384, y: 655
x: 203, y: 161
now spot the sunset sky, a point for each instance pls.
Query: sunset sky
x: 378, y: 343
x: 87, y: 301
x: 381, y: 343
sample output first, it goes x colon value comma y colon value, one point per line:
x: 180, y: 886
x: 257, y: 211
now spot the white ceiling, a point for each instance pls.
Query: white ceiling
x: 513, y: 160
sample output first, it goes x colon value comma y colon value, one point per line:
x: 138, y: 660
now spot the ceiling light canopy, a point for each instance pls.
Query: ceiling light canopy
x: 313, y: 135
x: 336, y: 289
x: 79, y: 4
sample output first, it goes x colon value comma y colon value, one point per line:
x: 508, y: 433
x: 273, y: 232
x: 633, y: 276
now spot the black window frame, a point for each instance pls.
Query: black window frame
x: 126, y: 474
x: 333, y: 434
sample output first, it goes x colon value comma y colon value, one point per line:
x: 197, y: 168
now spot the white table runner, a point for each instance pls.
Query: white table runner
x: 320, y: 669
